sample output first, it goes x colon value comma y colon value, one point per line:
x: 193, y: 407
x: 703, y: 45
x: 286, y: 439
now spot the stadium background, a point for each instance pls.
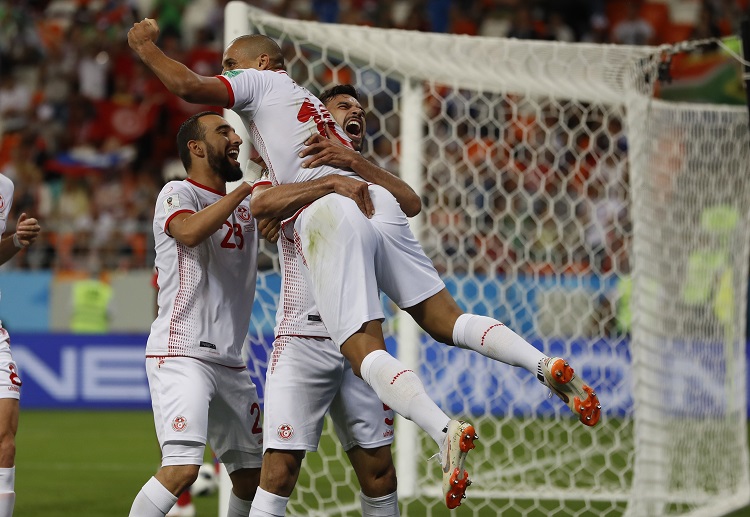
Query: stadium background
x: 88, y: 139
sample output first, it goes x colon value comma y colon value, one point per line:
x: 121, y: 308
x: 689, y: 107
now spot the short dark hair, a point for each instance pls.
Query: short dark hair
x: 191, y: 129
x: 339, y: 89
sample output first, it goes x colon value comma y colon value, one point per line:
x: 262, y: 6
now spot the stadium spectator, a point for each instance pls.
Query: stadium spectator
x: 633, y: 30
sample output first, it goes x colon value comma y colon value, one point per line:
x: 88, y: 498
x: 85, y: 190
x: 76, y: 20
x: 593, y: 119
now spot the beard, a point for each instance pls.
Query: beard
x: 221, y: 165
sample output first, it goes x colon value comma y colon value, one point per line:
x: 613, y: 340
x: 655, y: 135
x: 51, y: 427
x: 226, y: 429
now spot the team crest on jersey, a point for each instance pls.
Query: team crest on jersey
x: 285, y: 431
x: 179, y: 423
x: 2, y: 207
x: 243, y: 213
x: 232, y: 73
x: 171, y: 203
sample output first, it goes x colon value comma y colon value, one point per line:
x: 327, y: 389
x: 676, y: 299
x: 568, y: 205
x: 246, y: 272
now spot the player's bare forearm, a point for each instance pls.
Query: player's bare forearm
x: 322, y: 151
x: 282, y: 201
x: 192, y: 229
x: 178, y: 78
x: 410, y: 202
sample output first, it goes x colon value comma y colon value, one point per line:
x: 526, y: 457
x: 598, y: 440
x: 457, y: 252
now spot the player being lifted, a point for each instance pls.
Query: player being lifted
x: 348, y: 257
x: 27, y: 230
x: 308, y: 375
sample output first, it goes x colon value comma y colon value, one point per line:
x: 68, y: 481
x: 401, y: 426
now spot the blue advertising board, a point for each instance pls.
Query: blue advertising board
x: 98, y: 372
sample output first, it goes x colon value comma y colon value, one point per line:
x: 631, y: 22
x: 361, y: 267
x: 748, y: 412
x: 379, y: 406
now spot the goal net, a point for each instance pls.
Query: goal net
x: 602, y: 225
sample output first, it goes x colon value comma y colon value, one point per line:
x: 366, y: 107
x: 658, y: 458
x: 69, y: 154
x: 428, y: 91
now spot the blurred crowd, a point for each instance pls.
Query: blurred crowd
x: 88, y: 132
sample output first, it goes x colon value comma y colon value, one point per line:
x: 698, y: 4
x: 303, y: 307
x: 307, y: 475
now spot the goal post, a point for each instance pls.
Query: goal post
x: 599, y: 223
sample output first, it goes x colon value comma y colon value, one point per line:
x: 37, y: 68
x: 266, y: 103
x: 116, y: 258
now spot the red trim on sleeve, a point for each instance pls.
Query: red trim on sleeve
x: 169, y: 219
x: 229, y: 90
x: 260, y: 183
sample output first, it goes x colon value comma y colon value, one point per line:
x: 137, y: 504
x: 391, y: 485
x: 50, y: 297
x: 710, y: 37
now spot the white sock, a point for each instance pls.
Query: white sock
x: 386, y: 506
x: 238, y: 507
x: 266, y: 504
x: 154, y: 500
x: 7, y: 495
x: 492, y: 339
x: 400, y: 388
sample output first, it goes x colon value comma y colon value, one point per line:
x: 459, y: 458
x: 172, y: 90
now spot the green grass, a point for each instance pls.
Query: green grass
x: 92, y: 464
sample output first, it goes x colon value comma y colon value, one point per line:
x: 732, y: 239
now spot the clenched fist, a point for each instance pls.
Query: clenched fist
x: 143, y: 32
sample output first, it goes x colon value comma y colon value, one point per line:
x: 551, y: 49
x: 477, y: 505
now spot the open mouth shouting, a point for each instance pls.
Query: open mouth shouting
x: 354, y: 129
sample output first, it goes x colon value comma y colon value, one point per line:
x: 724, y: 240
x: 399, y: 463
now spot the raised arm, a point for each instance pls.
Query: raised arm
x: 322, y: 151
x: 178, y: 78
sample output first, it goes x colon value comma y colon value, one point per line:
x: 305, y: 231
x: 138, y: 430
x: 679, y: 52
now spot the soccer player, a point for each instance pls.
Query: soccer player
x: 308, y: 375
x: 27, y: 230
x: 348, y: 257
x: 206, y: 245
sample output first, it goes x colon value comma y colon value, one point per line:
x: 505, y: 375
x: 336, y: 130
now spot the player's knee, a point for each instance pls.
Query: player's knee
x: 245, y: 482
x: 380, y: 482
x: 280, y: 471
x: 178, y: 478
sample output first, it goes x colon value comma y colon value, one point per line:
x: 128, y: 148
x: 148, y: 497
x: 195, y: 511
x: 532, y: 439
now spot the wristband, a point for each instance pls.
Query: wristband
x: 17, y: 242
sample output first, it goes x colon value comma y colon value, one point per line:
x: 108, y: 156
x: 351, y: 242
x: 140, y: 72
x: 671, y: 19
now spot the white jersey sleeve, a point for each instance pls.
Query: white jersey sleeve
x: 175, y: 198
x: 6, y: 201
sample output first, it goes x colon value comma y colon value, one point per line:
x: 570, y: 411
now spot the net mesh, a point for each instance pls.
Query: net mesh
x: 597, y: 232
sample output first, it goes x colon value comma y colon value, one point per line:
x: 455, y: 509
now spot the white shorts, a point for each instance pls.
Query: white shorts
x: 197, y: 401
x: 346, y: 258
x: 10, y: 382
x: 309, y: 376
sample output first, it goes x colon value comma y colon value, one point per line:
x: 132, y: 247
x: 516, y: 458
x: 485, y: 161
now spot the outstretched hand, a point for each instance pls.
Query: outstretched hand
x: 27, y: 230
x: 323, y: 151
x: 143, y: 32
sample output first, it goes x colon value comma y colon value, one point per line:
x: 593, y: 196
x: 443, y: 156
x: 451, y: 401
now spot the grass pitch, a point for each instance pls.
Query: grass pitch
x: 92, y: 464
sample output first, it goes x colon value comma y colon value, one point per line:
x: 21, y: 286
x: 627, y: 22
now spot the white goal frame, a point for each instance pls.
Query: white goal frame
x: 614, y: 82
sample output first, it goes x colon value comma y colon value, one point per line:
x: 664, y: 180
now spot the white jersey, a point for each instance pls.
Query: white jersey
x: 6, y: 201
x: 297, y: 314
x: 280, y: 116
x: 205, y: 292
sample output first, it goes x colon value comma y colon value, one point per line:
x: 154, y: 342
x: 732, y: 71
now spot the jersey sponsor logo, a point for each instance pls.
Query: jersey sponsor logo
x: 314, y: 317
x: 285, y: 431
x: 232, y: 73
x: 243, y: 213
x: 179, y: 424
x: 172, y: 202
x: 206, y: 344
